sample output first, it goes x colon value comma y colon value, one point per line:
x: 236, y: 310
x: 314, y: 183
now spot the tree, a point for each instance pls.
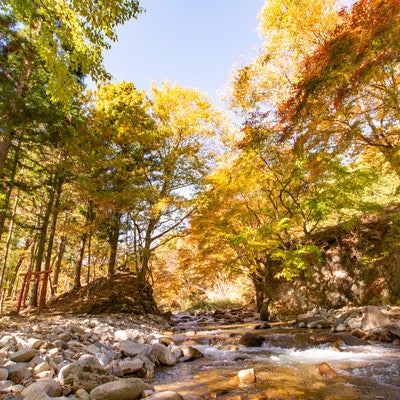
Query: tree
x: 46, y: 49
x: 347, y: 99
x: 23, y: 104
x: 261, y: 208
x: 185, y: 125
x: 69, y: 36
x: 292, y: 29
x: 116, y: 157
x: 145, y: 161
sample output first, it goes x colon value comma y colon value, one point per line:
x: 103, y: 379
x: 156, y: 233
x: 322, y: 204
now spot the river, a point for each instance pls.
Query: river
x: 286, y: 366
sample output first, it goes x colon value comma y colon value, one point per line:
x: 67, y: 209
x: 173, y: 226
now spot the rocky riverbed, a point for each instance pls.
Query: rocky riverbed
x: 116, y: 356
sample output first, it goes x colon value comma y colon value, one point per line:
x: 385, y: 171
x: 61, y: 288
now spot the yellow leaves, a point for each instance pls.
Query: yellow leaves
x: 162, y: 205
x: 292, y: 30
x: 298, y: 26
x: 184, y: 112
x: 121, y: 113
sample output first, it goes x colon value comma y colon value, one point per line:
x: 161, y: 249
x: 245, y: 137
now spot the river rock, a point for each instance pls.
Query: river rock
x: 7, y: 340
x: 130, y: 366
x: 340, y: 328
x: 48, y: 386
x: 104, y: 359
x: 164, y: 354
x: 77, y: 376
x: 74, y: 328
x: 325, y: 338
x: 394, y: 329
x: 132, y: 349
x: 89, y: 361
x: 82, y: 394
x: 190, y: 353
x: 326, y: 371
x: 166, y: 395
x: 318, y: 324
x: 123, y: 389
x: 352, y: 340
x: 3, y: 374
x: 42, y: 367
x: 24, y: 355
x: 374, y: 319
x: 249, y: 339
x: 104, y: 330
x: 126, y: 334
x: 247, y: 376
x: 17, y: 372
x: 36, y: 393
x: 35, y: 343
x: 148, y: 369
x: 175, y: 339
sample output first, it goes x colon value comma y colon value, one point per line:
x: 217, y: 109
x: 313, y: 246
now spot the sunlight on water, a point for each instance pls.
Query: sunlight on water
x: 361, y: 372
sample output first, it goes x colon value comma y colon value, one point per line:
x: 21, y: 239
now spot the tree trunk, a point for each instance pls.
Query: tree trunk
x: 262, y: 299
x: 8, y: 242
x: 113, y: 237
x: 58, y: 189
x: 90, y: 219
x: 33, y: 298
x: 7, y: 190
x: 78, y: 267
x: 144, y: 272
x: 57, y: 267
x: 5, y: 145
x: 89, y: 263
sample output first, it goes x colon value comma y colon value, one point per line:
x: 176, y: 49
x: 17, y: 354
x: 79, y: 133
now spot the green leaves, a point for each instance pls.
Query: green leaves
x: 295, y: 262
x: 69, y: 37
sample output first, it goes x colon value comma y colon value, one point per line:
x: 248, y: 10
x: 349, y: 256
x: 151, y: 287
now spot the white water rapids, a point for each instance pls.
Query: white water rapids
x: 286, y: 367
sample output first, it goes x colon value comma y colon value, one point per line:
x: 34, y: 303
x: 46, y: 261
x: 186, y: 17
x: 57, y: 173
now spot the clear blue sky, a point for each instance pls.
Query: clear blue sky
x: 190, y: 42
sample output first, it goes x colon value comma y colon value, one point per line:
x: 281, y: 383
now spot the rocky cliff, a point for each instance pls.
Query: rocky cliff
x: 360, y: 265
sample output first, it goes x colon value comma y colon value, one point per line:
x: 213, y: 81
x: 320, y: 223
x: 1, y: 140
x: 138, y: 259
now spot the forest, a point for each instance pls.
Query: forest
x: 287, y: 201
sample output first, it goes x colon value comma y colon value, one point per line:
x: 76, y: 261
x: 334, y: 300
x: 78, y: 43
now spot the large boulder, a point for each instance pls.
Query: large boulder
x: 374, y: 318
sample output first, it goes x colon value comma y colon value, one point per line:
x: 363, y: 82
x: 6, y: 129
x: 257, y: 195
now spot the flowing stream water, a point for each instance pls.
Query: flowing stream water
x: 286, y: 366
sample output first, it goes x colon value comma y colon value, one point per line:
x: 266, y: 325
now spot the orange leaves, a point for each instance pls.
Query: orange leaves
x: 367, y: 38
